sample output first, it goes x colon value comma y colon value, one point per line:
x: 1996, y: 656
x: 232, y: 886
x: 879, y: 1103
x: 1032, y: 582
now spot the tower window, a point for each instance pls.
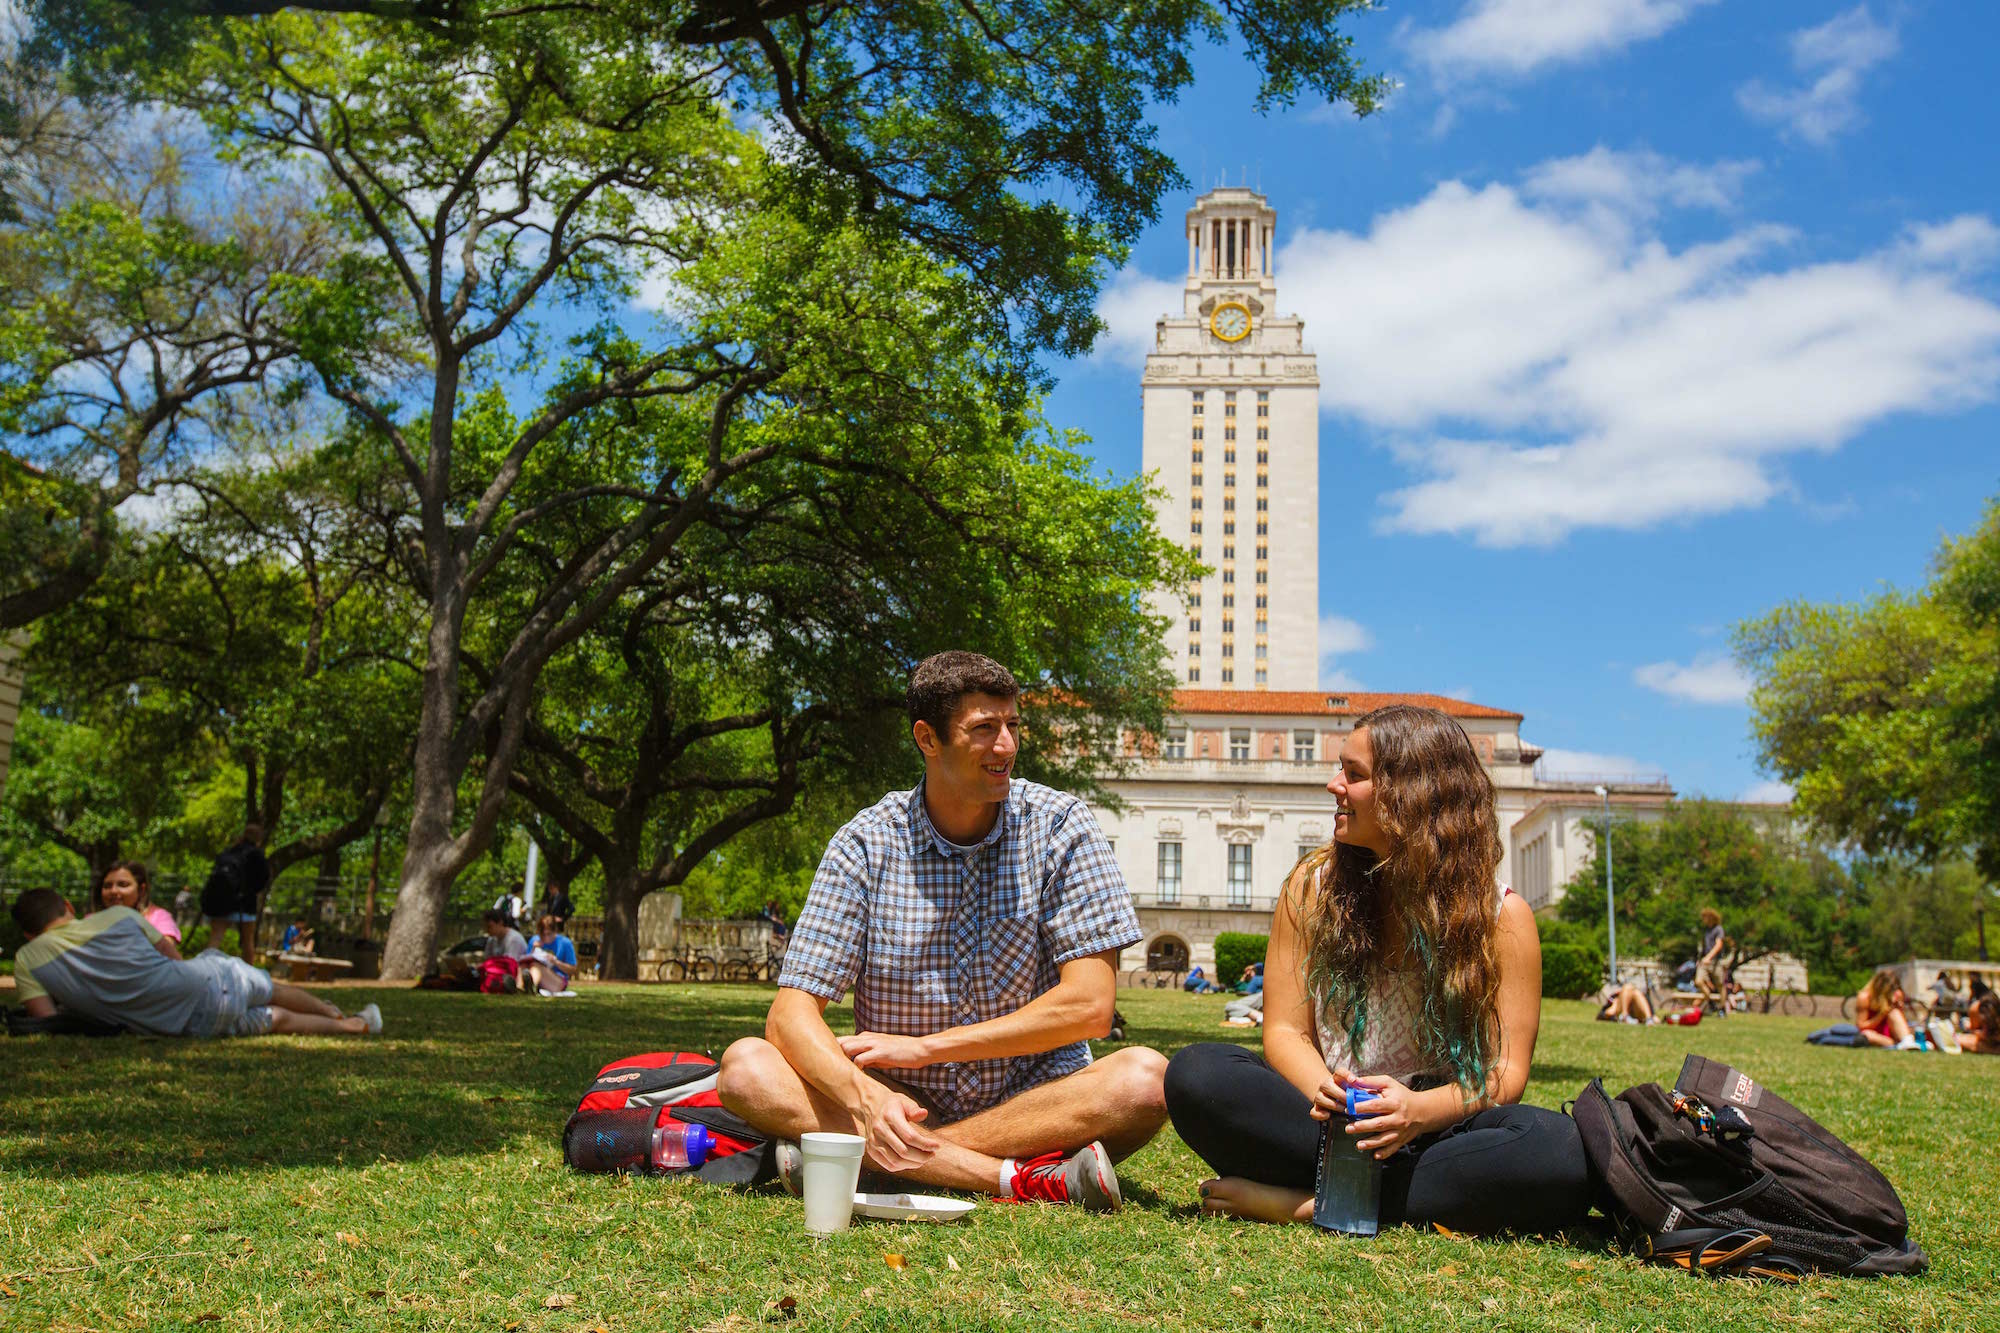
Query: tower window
x: 1194, y: 675
x: 1228, y: 457
x: 1263, y: 458
x: 1263, y: 528
x: 1228, y: 503
x: 1228, y: 551
x: 1194, y: 527
x: 1228, y: 575
x: 1228, y: 600
x: 1263, y: 433
x: 1260, y: 601
x: 1228, y: 625
x: 1194, y: 599
x: 1263, y: 504
x: 1194, y: 503
x: 1228, y: 432
x: 1194, y: 624
x: 1263, y: 551
x: 1262, y: 577
x: 1229, y: 527
x: 1263, y: 676
x: 1197, y: 454
x: 1197, y: 432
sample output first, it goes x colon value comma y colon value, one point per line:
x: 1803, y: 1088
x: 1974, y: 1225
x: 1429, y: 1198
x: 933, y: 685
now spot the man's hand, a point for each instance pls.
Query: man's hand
x: 883, y: 1050
x: 889, y: 1123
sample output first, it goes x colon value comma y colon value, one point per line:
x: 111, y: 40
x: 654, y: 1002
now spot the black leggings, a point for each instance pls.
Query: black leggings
x: 1517, y: 1168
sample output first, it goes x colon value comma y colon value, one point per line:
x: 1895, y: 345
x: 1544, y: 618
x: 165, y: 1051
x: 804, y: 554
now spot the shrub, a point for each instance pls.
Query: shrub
x: 1571, y: 970
x: 1235, y: 951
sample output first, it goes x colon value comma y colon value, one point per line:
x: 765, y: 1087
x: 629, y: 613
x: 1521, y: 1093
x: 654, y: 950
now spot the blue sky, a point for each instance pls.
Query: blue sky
x: 1635, y: 318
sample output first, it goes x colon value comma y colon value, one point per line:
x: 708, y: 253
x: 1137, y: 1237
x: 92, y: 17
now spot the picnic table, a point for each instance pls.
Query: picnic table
x: 308, y: 967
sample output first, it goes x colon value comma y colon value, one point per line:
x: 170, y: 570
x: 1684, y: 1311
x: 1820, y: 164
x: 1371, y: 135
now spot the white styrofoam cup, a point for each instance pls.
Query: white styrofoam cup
x: 832, y: 1170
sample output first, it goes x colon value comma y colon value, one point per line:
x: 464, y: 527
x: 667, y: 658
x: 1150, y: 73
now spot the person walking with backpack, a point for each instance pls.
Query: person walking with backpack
x: 1399, y: 969
x: 235, y: 890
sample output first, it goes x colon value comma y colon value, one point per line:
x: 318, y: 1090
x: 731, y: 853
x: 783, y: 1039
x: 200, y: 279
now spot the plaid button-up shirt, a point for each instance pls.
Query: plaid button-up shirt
x: 931, y: 936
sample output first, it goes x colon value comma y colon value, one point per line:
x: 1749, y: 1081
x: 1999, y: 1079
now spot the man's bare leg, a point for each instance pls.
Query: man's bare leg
x: 1118, y: 1100
x: 759, y: 1084
x: 300, y: 1012
x: 301, y: 1001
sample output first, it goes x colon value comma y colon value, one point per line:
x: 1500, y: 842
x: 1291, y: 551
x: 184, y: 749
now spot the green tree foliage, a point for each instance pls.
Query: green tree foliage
x: 142, y: 293
x: 74, y: 785
x: 1885, y: 714
x: 491, y: 167
x: 1774, y: 894
x: 261, y: 623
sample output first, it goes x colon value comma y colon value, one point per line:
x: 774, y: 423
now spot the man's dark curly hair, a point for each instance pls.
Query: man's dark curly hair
x: 943, y: 679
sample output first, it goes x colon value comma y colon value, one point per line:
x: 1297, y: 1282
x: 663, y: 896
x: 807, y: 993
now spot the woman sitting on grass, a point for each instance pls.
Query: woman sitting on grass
x: 127, y: 884
x: 1878, y: 1012
x: 1982, y: 1026
x: 1396, y: 964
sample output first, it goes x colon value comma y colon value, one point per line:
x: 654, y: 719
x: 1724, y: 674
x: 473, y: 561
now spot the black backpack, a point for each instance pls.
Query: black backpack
x: 227, y: 886
x: 1722, y: 1175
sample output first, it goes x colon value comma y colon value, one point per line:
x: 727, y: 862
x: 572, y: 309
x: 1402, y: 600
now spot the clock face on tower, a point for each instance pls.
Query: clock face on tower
x: 1230, y: 322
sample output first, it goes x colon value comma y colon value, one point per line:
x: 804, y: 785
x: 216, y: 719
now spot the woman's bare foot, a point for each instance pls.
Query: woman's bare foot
x: 1233, y: 1196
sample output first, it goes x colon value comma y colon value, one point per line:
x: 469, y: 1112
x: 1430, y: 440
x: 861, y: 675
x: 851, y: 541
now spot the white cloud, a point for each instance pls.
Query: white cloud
x: 1636, y: 183
x: 1131, y: 305
x: 1556, y: 762
x: 1832, y: 59
x: 1339, y: 637
x: 1767, y: 792
x: 1707, y: 680
x: 1544, y: 362
x: 1518, y: 37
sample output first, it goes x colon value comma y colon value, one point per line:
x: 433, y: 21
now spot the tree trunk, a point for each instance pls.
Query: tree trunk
x: 423, y: 891
x: 624, y: 886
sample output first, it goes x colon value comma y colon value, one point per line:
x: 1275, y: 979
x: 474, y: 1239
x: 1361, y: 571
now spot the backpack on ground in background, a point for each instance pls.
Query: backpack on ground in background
x: 1840, y: 1034
x: 1722, y: 1175
x: 499, y: 975
x: 634, y: 1095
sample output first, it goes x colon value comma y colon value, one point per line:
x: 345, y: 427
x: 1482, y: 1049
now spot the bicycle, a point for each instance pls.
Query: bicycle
x: 689, y: 965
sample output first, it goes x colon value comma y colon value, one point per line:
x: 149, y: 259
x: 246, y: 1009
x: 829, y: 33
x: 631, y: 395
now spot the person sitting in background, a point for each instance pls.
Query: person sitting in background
x: 128, y: 885
x: 1245, y: 1011
x: 1878, y: 1012
x: 774, y: 916
x: 114, y: 966
x: 1197, y: 983
x: 502, y: 940
x: 1976, y: 988
x: 298, y: 938
x: 1252, y: 980
x: 551, y: 958
x: 1982, y: 1031
x: 1625, y: 1004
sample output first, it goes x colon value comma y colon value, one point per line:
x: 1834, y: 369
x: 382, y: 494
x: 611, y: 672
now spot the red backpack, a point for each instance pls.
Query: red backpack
x: 499, y: 975
x: 613, y: 1125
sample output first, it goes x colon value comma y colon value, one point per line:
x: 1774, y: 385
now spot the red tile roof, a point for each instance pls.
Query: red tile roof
x: 1325, y: 703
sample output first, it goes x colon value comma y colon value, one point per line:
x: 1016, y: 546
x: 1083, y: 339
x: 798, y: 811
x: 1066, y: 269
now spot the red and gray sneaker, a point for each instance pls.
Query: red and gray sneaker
x: 1083, y: 1177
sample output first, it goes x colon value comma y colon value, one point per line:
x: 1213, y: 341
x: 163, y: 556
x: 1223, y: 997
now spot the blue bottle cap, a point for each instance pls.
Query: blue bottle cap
x: 699, y: 1144
x: 1356, y: 1096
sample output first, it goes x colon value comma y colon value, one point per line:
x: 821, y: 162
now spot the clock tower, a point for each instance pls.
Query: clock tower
x: 1231, y: 435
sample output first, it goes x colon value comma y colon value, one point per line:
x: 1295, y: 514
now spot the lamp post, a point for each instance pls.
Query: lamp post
x: 1610, y: 900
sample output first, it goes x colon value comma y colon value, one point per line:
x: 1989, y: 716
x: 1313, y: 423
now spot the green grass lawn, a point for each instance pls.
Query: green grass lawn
x: 415, y: 1182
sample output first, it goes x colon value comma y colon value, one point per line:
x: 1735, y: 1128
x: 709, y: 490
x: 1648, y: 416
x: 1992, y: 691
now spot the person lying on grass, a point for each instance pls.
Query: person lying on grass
x: 978, y: 921
x: 115, y: 967
x: 1627, y: 1004
x: 1396, y: 964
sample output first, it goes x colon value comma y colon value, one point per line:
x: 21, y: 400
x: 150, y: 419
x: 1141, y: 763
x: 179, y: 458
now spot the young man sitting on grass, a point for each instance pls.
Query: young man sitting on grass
x: 978, y: 921
x: 115, y: 967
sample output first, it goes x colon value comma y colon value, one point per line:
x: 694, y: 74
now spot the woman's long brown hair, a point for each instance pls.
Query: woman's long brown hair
x: 1434, y: 893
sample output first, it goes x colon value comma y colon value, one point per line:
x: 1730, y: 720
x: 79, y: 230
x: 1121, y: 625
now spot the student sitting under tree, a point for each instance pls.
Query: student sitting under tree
x: 114, y: 966
x: 978, y: 921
